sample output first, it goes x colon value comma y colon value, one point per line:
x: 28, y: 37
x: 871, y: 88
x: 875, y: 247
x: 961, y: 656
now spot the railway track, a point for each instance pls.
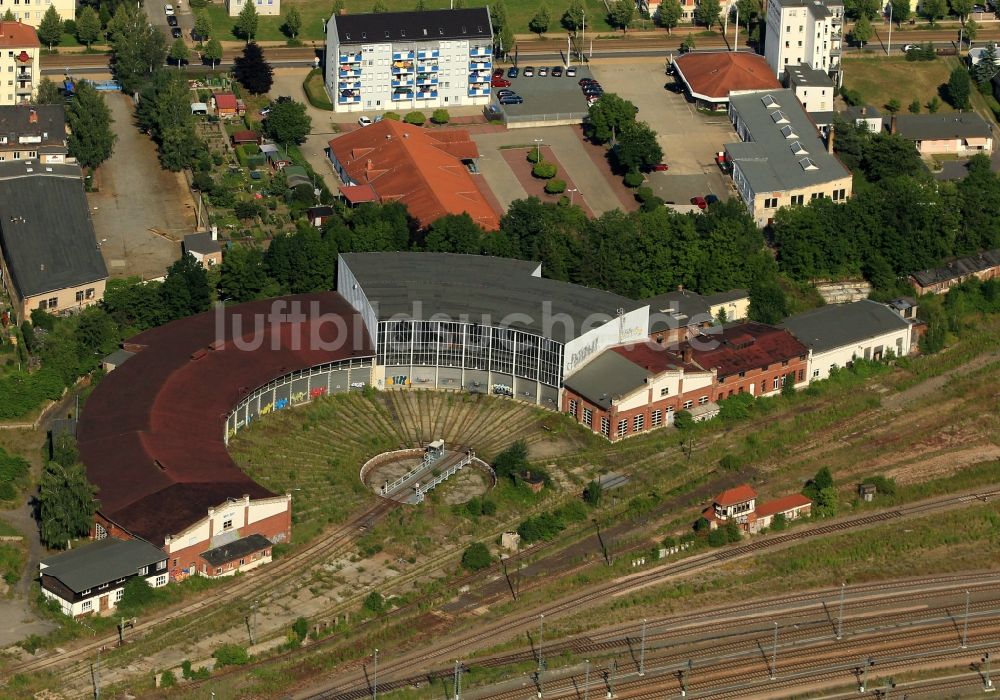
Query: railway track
x: 492, y: 633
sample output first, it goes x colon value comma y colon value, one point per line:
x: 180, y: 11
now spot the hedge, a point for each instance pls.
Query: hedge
x: 555, y: 186
x: 544, y: 170
x: 415, y: 118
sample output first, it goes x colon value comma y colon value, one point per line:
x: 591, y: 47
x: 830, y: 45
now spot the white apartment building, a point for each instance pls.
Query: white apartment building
x: 30, y: 12
x: 269, y: 8
x: 19, y: 70
x: 404, y: 61
x: 804, y: 32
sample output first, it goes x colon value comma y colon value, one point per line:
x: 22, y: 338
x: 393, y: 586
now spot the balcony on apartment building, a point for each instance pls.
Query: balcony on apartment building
x: 402, y: 55
x: 427, y: 67
x: 401, y: 82
x: 480, y: 51
x: 349, y: 85
x: 479, y: 92
x: 350, y: 58
x: 480, y: 65
x: 428, y: 54
x: 349, y: 73
x: 428, y: 95
x: 427, y: 79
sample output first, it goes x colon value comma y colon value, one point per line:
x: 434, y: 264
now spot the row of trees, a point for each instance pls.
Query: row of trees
x: 634, y: 147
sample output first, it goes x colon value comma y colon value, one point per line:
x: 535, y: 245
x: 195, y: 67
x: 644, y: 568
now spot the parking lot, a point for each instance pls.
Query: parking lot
x: 546, y: 98
x: 689, y: 139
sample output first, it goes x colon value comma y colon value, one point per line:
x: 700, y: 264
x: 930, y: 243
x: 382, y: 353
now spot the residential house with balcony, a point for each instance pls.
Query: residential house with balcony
x: 807, y: 32
x: 33, y: 131
x: 31, y: 12
x: 19, y: 55
x: 404, y: 61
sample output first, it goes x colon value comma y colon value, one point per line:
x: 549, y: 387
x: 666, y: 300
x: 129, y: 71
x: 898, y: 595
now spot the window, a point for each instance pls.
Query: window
x: 588, y: 418
x: 777, y: 383
x: 143, y: 571
x: 242, y: 562
x: 638, y: 423
x: 771, y: 203
x: 605, y: 426
x: 815, y: 373
x: 814, y: 196
x: 86, y: 592
x: 227, y: 524
x: 53, y: 302
x: 175, y: 563
x: 87, y: 605
x: 218, y: 571
x: 119, y: 594
x: 572, y: 407
x: 839, y: 195
x: 79, y: 297
x: 656, y: 418
x: 743, y: 374
x: 623, y: 427
x: 798, y: 198
x: 702, y: 400
x: 687, y: 405
x: 161, y: 565
x: 665, y: 391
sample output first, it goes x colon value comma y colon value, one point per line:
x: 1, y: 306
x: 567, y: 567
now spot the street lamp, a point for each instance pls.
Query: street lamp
x: 538, y: 152
x: 572, y: 191
x: 888, y: 48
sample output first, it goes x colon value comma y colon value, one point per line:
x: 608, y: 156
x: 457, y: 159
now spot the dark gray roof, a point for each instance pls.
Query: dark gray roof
x: 46, y: 234
x: 480, y: 289
x: 117, y: 358
x: 202, y: 243
x: 607, y: 377
x: 682, y: 306
x: 936, y: 127
x: 816, y: 7
x: 808, y: 76
x: 236, y: 549
x: 855, y: 112
x: 47, y: 133
x: 837, y: 325
x: 401, y: 27
x: 101, y: 562
x: 769, y: 158
x: 725, y: 297
x: 959, y: 267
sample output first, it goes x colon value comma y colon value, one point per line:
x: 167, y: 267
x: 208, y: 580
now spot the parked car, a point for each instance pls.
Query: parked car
x: 699, y: 202
x: 556, y: 72
x: 542, y: 72
x: 592, y: 99
x: 175, y: 32
x: 168, y: 10
x: 593, y: 91
x: 571, y: 72
x: 172, y: 20
x: 978, y: 8
x: 585, y: 81
x: 661, y: 167
x: 364, y: 121
x: 503, y: 93
x: 512, y: 72
x: 529, y: 71
x: 711, y: 199
x: 498, y: 72
x: 499, y: 82
x: 511, y: 100
x: 910, y: 47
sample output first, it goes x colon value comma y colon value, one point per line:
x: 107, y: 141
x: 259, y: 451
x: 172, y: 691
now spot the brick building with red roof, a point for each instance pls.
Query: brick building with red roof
x: 741, y: 504
x: 425, y: 169
x: 153, y: 433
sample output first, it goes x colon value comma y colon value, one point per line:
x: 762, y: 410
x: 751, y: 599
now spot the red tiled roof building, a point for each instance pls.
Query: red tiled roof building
x: 710, y: 77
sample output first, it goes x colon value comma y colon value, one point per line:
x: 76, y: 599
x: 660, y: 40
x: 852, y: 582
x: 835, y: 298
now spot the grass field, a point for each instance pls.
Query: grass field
x: 315, y: 13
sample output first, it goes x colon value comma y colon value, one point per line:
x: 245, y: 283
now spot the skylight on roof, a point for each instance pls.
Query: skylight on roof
x: 779, y: 117
x: 798, y: 149
x: 769, y: 101
x: 808, y: 164
x: 788, y: 132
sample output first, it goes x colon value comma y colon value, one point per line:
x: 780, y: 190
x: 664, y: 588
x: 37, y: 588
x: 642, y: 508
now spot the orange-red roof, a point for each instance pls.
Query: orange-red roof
x: 358, y: 194
x: 715, y: 75
x: 737, y: 494
x: 224, y: 100
x: 783, y: 504
x: 17, y: 35
x: 418, y: 167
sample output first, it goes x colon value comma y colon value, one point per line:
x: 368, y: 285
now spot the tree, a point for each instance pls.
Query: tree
x: 48, y: 93
x: 984, y: 71
x: 66, y: 504
x: 934, y: 105
x: 688, y: 44
x: 50, y: 28
x: 247, y: 21
x: 961, y: 8
x: 668, y: 14
x: 933, y: 10
x: 573, y: 18
x: 288, y: 123
x: 539, y: 24
x: 137, y: 47
x: 92, y: 139
x: 8, y: 16
x: 893, y: 106
x: 607, y: 116
x: 637, y: 148
x: 862, y: 31
x: 767, y: 302
x: 900, y: 11
x: 708, y: 12
x: 293, y: 22
x: 179, y: 52
x: 242, y: 276
x: 959, y: 88
x: 440, y: 116
x: 203, y: 25
x: 88, y: 26
x: 476, y: 557
x: 380, y: 7
x: 971, y: 30
x: 592, y: 493
x: 749, y: 10
x: 213, y: 51
x: 186, y: 290
x: 374, y: 603
x: 231, y: 655
x: 455, y: 233
x: 622, y: 12
x: 252, y: 71
x: 915, y: 106
x: 415, y: 118
x: 420, y: 6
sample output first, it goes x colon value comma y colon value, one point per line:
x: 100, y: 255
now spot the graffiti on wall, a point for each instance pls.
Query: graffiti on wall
x: 317, y: 392
x: 399, y: 379
x: 502, y: 390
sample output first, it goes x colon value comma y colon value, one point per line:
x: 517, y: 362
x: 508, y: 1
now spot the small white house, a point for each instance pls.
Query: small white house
x: 264, y: 7
x: 838, y: 334
x: 92, y: 579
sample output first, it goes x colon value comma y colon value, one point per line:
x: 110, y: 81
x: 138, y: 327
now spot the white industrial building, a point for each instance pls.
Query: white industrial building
x: 404, y: 61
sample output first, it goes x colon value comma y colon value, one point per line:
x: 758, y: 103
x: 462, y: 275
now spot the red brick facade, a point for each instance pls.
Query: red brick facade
x: 183, y: 561
x: 762, y: 380
x: 666, y: 407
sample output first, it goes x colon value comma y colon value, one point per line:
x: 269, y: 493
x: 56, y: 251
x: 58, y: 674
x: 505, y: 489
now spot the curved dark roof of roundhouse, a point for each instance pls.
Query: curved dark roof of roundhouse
x: 152, y: 433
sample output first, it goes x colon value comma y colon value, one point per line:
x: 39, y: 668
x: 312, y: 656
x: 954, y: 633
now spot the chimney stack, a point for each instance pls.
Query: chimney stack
x: 688, y: 354
x: 215, y: 232
x: 829, y: 140
x: 864, y: 111
x: 32, y: 117
x: 892, y: 124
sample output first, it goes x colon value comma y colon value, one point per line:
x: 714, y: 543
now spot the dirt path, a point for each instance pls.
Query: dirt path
x: 934, y: 385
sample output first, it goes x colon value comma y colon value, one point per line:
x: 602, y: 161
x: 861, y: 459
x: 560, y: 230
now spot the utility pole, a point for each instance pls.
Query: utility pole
x: 987, y: 682
x: 611, y: 678
x: 375, y: 678
x: 586, y: 678
x: 840, y: 614
x: 541, y: 661
x: 458, y: 680
x: 642, y: 650
x: 965, y: 625
x: 888, y: 48
x: 736, y: 32
x: 865, y: 663
x: 253, y: 637
x: 97, y: 676
x: 774, y: 654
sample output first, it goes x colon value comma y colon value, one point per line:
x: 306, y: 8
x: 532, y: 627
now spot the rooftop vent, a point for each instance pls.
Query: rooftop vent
x: 441, y: 31
x: 347, y: 35
x: 769, y: 101
x: 798, y: 149
x: 387, y: 34
x: 808, y: 164
x: 779, y: 117
x: 364, y: 35
x: 788, y: 132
